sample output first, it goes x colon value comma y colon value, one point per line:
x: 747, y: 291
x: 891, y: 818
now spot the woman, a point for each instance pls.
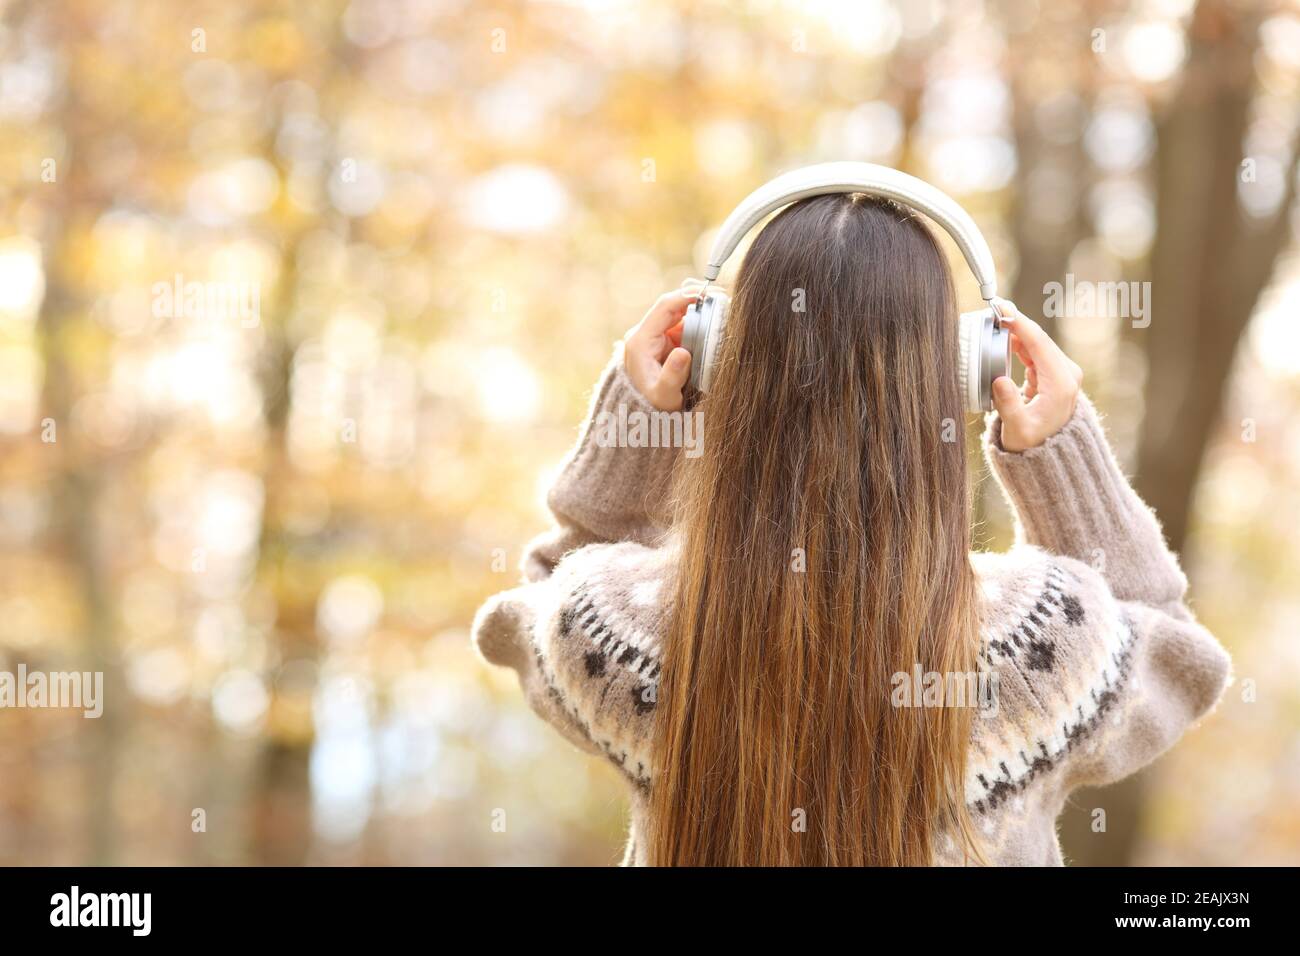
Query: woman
x: 765, y: 638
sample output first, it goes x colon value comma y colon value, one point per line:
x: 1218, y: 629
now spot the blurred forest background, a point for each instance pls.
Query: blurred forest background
x: 270, y: 526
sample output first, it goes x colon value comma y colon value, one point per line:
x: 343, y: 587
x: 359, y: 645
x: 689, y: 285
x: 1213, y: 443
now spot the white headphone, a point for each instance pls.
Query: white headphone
x: 985, y: 345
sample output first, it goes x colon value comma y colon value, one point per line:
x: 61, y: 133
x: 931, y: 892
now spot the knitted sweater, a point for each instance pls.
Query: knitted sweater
x: 1099, y: 664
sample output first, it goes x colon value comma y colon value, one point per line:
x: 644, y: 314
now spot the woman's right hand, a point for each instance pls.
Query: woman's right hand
x: 1034, y: 413
x: 653, y: 357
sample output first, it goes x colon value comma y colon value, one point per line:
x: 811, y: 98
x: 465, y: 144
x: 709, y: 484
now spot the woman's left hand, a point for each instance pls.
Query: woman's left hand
x: 653, y: 358
x: 1045, y: 405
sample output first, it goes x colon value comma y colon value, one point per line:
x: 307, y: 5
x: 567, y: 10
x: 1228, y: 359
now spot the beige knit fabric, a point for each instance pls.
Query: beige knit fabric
x: 1099, y: 664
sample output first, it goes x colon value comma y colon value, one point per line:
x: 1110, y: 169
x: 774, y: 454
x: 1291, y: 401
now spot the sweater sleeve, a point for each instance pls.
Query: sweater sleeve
x: 1161, y: 670
x: 585, y: 643
x: 614, y: 483
x: 583, y: 633
x: 1070, y: 498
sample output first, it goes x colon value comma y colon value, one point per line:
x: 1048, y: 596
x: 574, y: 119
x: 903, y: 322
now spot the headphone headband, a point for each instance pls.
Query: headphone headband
x: 851, y: 177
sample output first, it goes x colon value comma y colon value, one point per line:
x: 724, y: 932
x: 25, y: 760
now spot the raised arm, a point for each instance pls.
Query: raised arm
x: 583, y: 635
x: 1067, y: 491
x: 614, y: 483
x: 1070, y: 497
x: 1143, y: 668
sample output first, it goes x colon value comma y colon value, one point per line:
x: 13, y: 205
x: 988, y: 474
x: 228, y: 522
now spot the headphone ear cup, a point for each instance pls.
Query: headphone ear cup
x: 693, y: 334
x: 984, y: 355
x: 970, y: 326
x: 702, y: 330
x: 720, y: 307
x: 996, y: 362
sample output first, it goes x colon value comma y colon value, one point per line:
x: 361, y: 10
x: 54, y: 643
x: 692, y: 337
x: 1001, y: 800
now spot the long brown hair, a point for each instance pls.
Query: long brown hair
x: 825, y: 537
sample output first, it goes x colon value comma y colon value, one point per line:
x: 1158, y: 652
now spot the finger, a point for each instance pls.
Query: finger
x: 1007, y: 400
x: 672, y: 378
x: 1052, y: 364
x: 1030, y: 388
x: 1027, y: 330
x: 1041, y: 347
x: 1021, y: 352
x: 676, y: 370
x: 667, y: 311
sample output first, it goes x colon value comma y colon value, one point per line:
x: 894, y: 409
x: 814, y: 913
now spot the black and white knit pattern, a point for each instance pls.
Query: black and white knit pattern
x: 1061, y: 650
x: 604, y: 638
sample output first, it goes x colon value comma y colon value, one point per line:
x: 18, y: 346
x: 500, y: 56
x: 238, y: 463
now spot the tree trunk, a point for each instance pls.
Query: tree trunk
x: 79, y: 475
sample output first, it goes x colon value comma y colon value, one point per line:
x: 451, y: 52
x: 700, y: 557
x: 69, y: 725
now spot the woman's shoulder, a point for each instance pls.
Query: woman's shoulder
x: 1057, y: 647
x: 625, y: 567
x: 1031, y: 600
x: 591, y: 633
